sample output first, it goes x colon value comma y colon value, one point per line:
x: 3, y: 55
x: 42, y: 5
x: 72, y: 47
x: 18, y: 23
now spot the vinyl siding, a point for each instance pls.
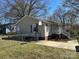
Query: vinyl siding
x: 25, y: 26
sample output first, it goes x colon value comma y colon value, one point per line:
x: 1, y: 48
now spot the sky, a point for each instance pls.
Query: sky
x: 53, y: 5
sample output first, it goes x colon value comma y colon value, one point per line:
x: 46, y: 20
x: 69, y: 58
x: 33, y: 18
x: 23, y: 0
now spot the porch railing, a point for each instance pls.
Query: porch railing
x: 65, y: 33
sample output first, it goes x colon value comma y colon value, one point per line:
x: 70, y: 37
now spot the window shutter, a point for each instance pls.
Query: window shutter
x: 36, y: 27
x: 31, y: 28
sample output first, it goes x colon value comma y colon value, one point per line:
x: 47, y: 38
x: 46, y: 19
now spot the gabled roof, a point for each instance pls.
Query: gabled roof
x: 26, y: 17
x: 34, y: 18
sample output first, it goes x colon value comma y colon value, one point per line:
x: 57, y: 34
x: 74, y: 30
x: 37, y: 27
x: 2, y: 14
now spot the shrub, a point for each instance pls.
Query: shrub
x: 11, y: 33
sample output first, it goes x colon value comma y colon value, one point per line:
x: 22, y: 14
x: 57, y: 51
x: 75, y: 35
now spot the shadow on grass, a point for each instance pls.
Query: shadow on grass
x: 24, y: 39
x: 57, y: 39
x: 30, y: 39
x: 60, y: 40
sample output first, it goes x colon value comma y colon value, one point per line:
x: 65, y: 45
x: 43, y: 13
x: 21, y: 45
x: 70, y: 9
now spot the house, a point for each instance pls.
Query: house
x: 33, y: 27
x: 4, y: 27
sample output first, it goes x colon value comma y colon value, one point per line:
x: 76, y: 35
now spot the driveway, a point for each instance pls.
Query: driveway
x: 66, y: 45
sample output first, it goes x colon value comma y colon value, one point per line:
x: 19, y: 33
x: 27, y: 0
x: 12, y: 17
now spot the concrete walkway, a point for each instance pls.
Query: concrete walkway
x: 66, y: 45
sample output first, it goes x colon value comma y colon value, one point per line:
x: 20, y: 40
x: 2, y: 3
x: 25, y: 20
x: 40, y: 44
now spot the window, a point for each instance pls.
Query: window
x: 34, y: 28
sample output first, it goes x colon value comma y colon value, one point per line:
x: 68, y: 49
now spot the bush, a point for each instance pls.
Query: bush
x: 11, y: 33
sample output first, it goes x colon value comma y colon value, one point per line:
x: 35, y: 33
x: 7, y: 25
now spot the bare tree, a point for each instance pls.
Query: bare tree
x: 2, y: 10
x: 73, y: 5
x: 68, y: 12
x: 58, y: 16
x: 20, y: 8
x: 73, y: 13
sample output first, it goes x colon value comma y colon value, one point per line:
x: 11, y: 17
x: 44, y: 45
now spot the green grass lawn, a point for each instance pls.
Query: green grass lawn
x: 10, y: 49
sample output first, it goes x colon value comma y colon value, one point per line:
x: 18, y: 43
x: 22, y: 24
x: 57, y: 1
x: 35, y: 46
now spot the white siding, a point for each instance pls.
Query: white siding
x: 25, y: 26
